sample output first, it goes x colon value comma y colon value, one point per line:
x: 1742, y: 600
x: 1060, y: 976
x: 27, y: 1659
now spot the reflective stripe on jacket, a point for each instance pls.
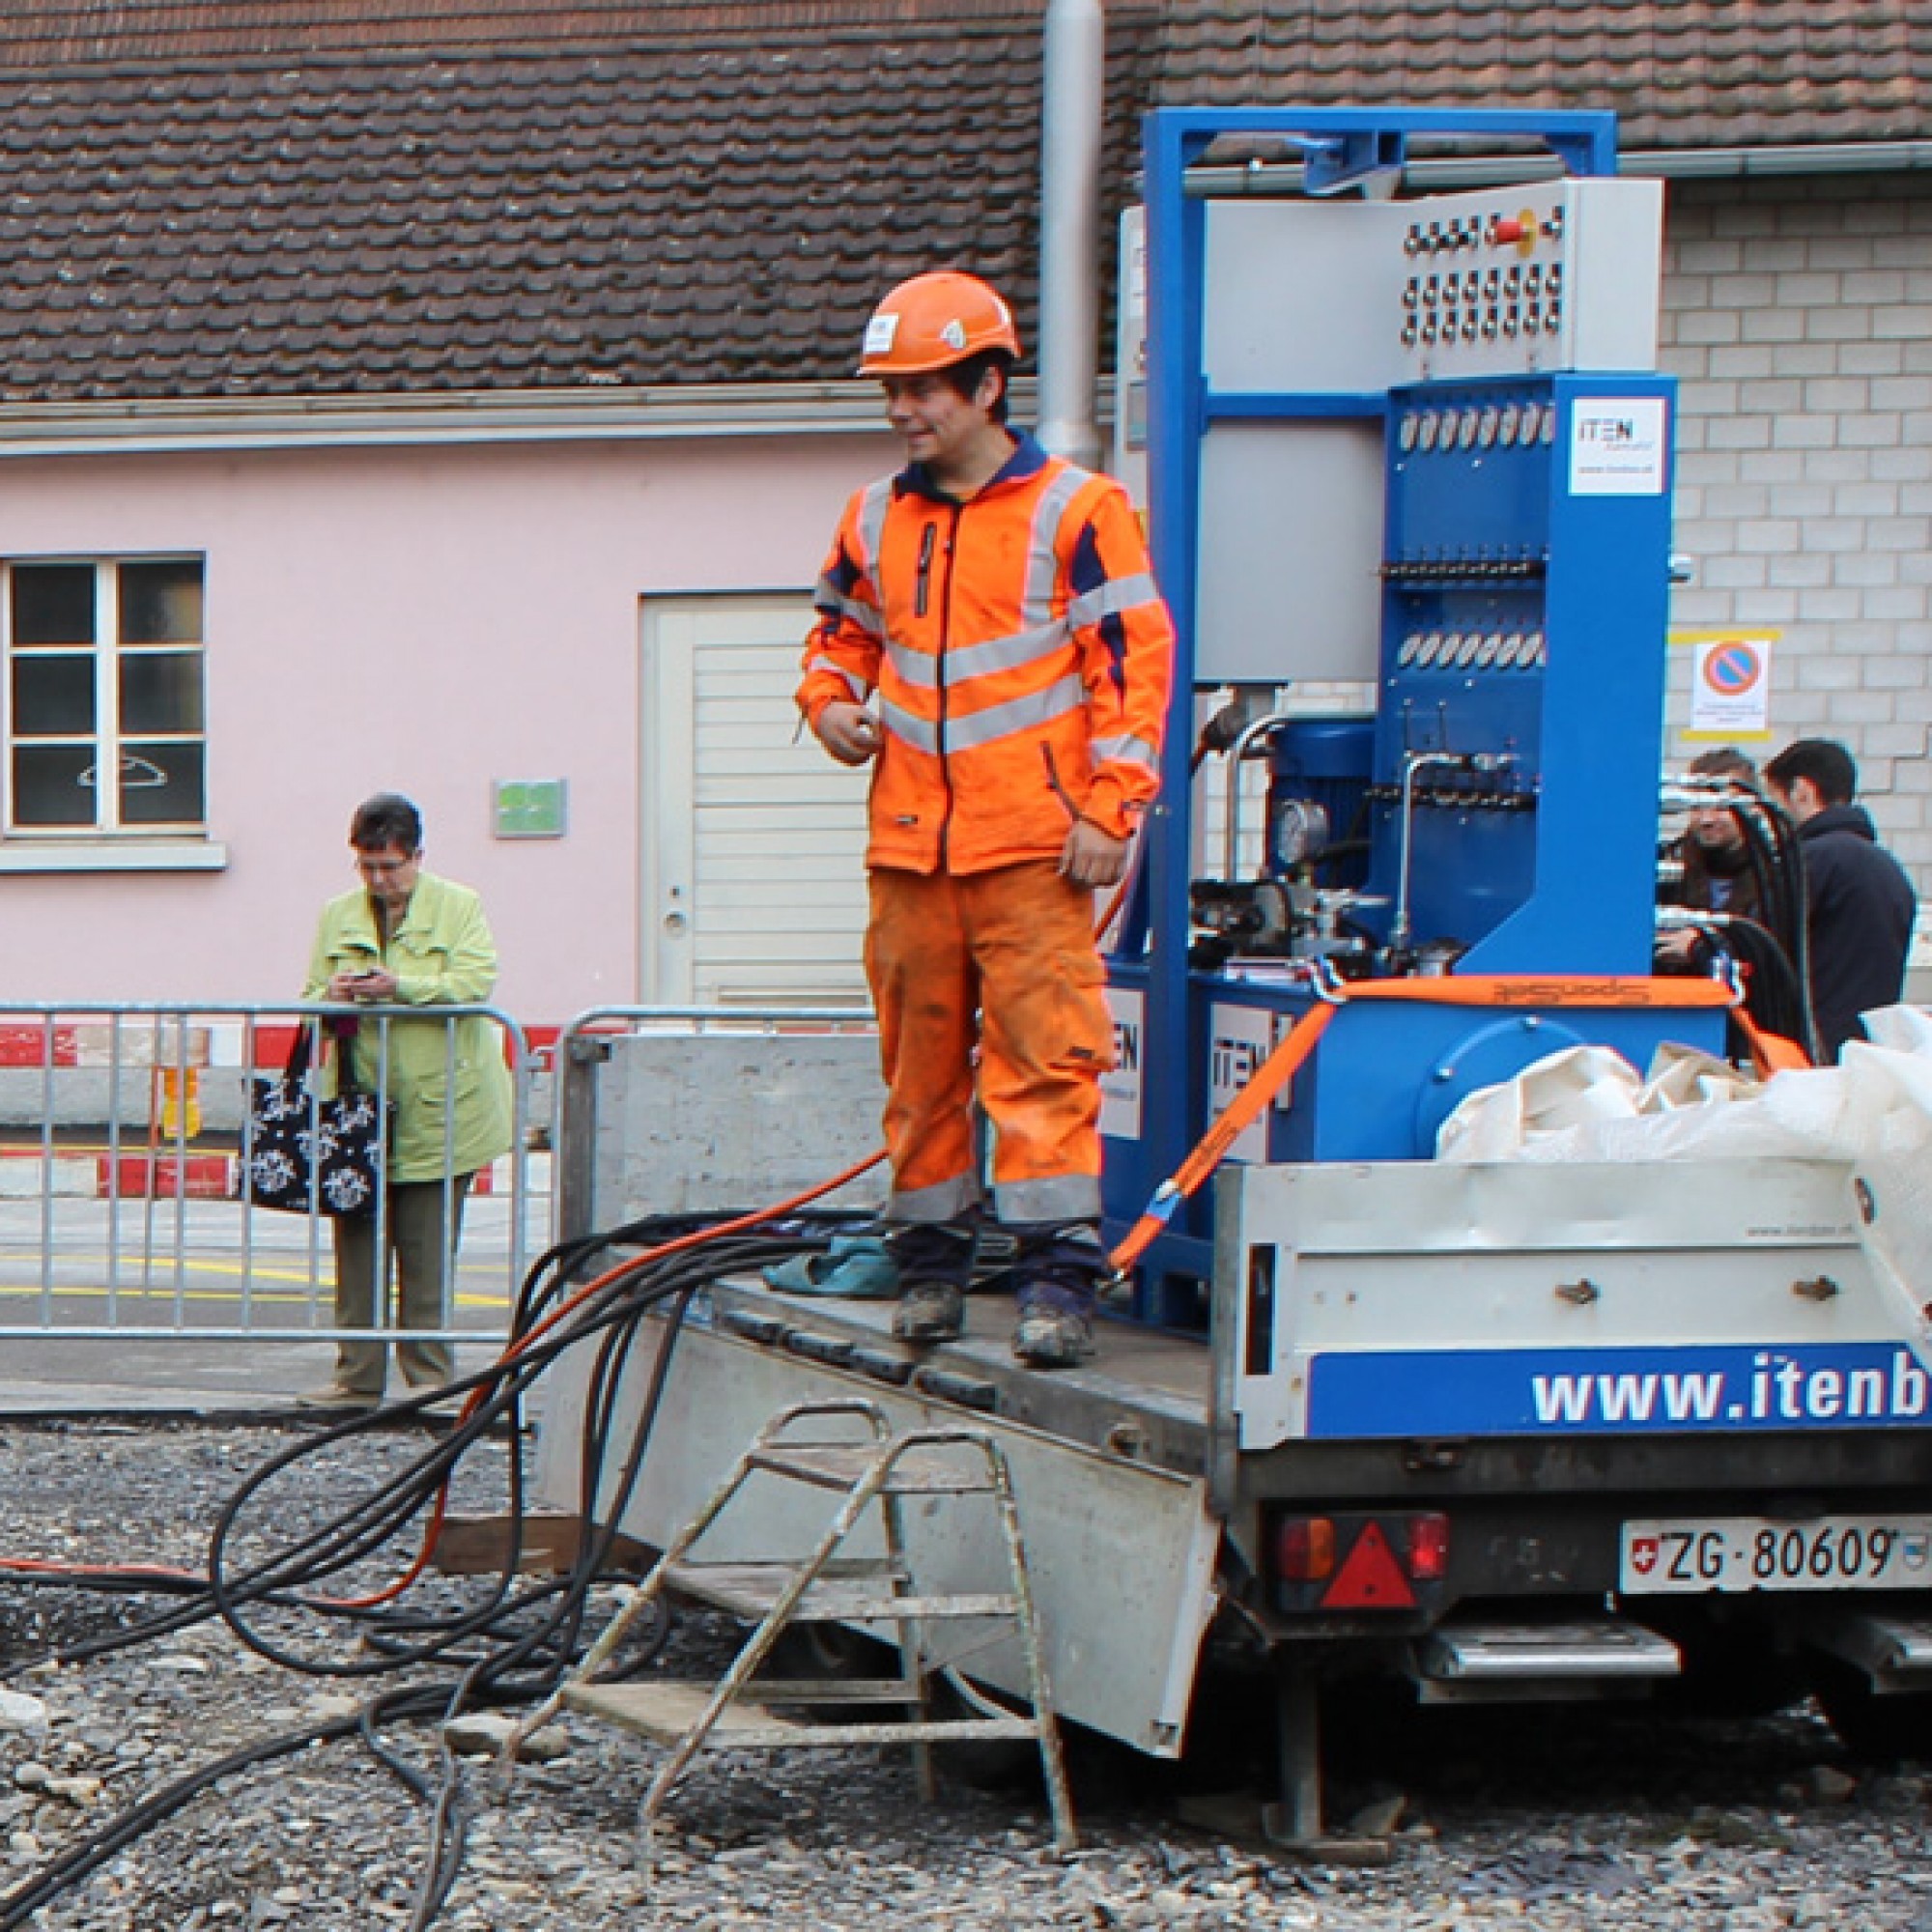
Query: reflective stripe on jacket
x: 1020, y: 652
x: 442, y: 954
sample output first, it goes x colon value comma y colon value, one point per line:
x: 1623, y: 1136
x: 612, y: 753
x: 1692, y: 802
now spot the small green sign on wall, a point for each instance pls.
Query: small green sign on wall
x: 531, y: 807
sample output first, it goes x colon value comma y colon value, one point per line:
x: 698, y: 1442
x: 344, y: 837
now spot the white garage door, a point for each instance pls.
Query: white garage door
x: 753, y: 891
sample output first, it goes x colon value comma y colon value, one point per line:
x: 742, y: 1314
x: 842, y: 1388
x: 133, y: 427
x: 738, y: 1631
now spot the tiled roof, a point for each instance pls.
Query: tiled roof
x: 256, y: 198
x: 1680, y: 73
x: 724, y: 210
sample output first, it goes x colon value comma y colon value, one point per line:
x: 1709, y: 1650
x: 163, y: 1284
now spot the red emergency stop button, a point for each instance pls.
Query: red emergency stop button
x: 1503, y: 231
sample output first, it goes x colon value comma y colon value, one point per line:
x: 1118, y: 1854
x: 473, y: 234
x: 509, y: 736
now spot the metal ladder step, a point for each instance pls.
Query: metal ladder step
x: 742, y: 1710
x: 750, y: 1591
x: 1472, y: 1658
x: 839, y: 1466
x: 666, y: 1710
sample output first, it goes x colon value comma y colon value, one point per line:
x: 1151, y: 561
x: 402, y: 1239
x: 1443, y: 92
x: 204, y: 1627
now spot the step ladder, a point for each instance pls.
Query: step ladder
x: 879, y: 1470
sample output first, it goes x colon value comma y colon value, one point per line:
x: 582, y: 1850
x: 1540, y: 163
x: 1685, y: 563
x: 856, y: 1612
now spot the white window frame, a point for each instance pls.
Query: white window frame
x: 106, y: 739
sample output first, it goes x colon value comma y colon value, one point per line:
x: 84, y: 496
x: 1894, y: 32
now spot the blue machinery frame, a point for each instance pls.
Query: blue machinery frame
x: 1558, y: 876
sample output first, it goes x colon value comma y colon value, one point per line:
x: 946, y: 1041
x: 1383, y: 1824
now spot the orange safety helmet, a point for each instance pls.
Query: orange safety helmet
x: 934, y: 320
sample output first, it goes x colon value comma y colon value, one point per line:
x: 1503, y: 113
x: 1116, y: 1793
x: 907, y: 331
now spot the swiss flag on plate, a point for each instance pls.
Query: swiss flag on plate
x: 1643, y: 1555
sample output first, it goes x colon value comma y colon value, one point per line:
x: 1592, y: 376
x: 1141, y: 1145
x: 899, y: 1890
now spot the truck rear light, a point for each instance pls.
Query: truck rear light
x: 1429, y: 1547
x: 1304, y: 1548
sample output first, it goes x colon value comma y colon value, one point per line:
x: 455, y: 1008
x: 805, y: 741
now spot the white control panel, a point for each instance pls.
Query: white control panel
x: 1565, y: 275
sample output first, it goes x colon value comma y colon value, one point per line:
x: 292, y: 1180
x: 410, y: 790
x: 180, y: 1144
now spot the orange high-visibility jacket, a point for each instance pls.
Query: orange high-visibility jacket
x: 1020, y: 652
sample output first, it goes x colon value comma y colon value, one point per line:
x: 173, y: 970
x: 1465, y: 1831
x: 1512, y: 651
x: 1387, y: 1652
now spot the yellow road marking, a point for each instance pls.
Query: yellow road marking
x: 135, y: 1291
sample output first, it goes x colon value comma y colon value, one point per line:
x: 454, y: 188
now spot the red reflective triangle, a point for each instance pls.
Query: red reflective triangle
x: 1370, y: 1578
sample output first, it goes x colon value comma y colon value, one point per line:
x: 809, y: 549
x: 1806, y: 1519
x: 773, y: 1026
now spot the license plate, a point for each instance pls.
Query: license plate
x: 1683, y: 1554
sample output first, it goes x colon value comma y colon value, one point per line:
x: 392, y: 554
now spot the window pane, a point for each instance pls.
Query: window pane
x: 161, y: 691
x: 162, y: 785
x: 53, y: 698
x: 161, y: 604
x: 49, y: 787
x: 53, y: 603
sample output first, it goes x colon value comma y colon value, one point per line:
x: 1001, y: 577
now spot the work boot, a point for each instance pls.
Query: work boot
x: 935, y: 1264
x: 1057, y: 1277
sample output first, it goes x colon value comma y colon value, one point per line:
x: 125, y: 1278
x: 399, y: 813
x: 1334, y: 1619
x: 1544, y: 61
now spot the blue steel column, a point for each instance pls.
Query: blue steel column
x: 1175, y: 238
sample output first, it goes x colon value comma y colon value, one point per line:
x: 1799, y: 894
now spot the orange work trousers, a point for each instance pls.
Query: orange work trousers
x: 1003, y: 962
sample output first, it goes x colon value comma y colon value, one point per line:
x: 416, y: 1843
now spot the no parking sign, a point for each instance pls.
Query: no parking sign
x: 1730, y: 684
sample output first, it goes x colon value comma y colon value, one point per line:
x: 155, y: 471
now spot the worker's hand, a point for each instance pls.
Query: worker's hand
x: 848, y: 732
x: 1092, y: 857
x: 1679, y: 947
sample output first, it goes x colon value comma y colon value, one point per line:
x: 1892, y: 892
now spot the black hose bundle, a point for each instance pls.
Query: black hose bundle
x: 1771, y: 946
x: 513, y: 1646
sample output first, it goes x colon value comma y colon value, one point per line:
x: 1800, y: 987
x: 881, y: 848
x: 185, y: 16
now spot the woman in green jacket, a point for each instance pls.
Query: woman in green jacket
x: 406, y: 938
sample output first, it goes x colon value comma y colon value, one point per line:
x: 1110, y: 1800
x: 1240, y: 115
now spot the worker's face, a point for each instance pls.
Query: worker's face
x: 937, y: 422
x: 1801, y: 799
x: 389, y: 872
x: 1714, y: 829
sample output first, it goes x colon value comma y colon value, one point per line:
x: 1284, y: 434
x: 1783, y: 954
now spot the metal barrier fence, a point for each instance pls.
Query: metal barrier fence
x: 125, y: 1139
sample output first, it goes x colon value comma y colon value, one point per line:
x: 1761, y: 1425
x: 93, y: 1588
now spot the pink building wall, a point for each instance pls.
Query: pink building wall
x: 423, y: 619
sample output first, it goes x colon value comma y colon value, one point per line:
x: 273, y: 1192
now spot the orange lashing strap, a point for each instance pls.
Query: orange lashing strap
x: 1243, y: 1111
x: 1536, y: 989
x: 1771, y: 1052
x: 1493, y: 989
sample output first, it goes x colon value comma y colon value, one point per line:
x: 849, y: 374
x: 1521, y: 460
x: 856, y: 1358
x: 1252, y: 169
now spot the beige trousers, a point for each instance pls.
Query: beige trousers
x: 424, y: 1255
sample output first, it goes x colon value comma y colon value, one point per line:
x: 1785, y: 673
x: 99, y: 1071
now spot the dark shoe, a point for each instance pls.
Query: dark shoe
x: 1059, y: 1271
x: 1052, y: 1338
x: 335, y: 1396
x: 934, y: 1260
x: 930, y: 1311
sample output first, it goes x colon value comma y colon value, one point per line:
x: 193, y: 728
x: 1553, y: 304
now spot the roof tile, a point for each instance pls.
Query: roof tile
x: 274, y: 197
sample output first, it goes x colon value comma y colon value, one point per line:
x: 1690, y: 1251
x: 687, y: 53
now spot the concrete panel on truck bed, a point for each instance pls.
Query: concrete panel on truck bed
x: 696, y: 1124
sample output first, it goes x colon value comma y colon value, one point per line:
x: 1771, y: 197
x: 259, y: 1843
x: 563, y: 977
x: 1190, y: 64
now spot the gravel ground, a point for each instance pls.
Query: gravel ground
x: 1542, y: 1819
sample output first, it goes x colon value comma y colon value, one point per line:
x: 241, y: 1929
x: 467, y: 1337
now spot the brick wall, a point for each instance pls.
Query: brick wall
x: 1798, y: 319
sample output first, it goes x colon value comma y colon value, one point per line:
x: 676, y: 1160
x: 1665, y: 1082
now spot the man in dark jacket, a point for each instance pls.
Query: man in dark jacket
x: 1859, y: 904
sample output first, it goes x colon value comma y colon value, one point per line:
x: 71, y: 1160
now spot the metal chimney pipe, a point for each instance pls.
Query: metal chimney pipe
x: 1072, y: 79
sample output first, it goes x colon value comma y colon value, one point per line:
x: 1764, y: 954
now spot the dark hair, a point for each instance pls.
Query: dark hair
x: 1723, y: 762
x: 964, y: 378
x: 1827, y: 764
x: 387, y: 820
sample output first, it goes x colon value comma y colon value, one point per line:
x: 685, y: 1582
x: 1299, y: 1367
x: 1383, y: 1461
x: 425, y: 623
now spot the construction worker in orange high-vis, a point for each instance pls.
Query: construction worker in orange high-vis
x: 991, y: 640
